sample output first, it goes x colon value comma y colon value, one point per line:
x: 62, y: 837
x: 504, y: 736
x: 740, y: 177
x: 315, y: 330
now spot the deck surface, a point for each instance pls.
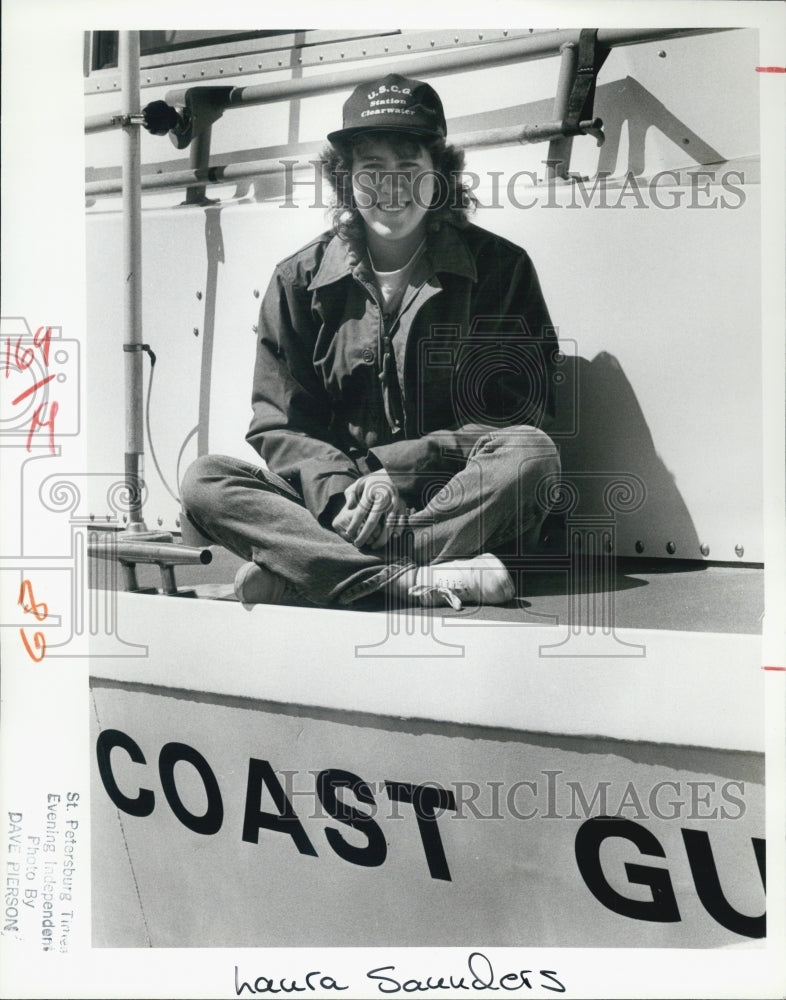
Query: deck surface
x: 637, y: 594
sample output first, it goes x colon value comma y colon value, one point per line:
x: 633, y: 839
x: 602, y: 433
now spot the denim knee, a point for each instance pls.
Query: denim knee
x: 520, y: 440
x: 202, y: 480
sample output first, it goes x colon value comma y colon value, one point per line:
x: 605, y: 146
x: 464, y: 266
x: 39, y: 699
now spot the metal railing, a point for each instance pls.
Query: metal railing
x: 530, y: 47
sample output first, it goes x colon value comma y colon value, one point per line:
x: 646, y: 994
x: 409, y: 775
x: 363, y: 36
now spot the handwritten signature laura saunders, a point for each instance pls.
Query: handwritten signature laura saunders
x: 479, y: 975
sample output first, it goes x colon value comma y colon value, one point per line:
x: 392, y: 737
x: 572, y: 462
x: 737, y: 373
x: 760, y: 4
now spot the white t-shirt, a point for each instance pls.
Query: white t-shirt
x: 392, y: 284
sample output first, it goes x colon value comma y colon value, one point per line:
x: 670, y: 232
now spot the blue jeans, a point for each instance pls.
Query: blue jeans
x: 498, y: 493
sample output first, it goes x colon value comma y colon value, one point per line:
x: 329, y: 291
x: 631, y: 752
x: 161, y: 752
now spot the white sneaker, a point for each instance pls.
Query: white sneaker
x: 256, y: 585
x: 482, y: 580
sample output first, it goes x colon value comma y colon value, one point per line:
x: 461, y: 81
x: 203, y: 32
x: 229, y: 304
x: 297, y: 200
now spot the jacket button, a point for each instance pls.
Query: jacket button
x: 368, y: 356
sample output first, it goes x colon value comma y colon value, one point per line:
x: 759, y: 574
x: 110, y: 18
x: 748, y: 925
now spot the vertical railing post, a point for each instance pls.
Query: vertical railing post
x: 199, y: 160
x: 128, y: 60
x: 560, y: 149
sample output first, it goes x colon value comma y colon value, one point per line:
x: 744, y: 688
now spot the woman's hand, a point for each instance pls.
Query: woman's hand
x: 372, y: 511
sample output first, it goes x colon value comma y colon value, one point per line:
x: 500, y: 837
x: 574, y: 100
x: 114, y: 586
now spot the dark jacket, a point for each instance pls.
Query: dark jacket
x: 341, y: 389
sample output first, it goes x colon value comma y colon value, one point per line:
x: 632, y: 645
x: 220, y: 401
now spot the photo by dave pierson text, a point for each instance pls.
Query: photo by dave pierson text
x: 41, y: 871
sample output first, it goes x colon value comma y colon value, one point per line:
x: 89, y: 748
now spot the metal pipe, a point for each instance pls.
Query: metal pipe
x: 199, y: 158
x: 128, y: 61
x: 249, y: 169
x: 561, y: 147
x: 531, y: 47
x: 183, y: 178
x: 151, y: 552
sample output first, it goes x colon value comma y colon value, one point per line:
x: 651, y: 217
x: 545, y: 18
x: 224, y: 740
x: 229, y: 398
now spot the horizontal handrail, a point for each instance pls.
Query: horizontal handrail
x: 249, y: 169
x: 233, y: 173
x: 530, y: 47
x: 152, y: 552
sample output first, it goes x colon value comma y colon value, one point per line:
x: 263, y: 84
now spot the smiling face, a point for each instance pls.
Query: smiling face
x: 393, y: 185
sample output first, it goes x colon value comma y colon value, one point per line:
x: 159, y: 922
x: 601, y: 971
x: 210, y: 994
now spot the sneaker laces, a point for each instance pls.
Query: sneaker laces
x: 480, y: 580
x: 447, y: 593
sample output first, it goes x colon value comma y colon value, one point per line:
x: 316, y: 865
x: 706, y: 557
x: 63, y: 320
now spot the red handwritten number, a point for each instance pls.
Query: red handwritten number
x: 43, y: 340
x: 39, y: 610
x: 25, y: 359
x: 34, y: 607
x: 38, y: 641
x: 39, y: 421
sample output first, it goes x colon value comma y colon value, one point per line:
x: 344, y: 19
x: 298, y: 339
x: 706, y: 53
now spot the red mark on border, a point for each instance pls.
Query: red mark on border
x: 39, y: 610
x: 44, y: 416
x: 31, y: 390
x: 771, y: 69
x: 774, y: 668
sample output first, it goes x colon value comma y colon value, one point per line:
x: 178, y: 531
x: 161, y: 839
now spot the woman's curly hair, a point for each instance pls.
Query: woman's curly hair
x: 453, y: 198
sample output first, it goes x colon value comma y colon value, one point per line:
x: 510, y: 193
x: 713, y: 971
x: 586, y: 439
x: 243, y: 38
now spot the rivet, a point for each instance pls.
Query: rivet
x: 255, y: 328
x: 201, y: 72
x: 240, y: 69
x: 159, y: 521
x: 125, y: 518
x: 686, y: 142
x: 504, y: 34
x: 704, y: 549
x: 221, y: 69
x: 256, y: 293
x: 455, y: 39
x: 662, y: 53
x: 92, y: 517
x: 177, y: 522
x: 480, y: 36
x: 342, y: 55
x: 300, y: 59
x: 321, y: 58
x: 671, y: 548
x: 166, y: 77
x: 108, y: 517
x: 609, y: 545
x: 196, y: 331
x: 199, y: 295
x: 409, y: 45
x: 740, y: 550
x: 639, y: 547
x: 432, y: 44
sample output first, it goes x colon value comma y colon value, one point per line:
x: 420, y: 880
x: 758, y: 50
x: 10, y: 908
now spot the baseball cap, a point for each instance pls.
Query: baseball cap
x: 393, y: 103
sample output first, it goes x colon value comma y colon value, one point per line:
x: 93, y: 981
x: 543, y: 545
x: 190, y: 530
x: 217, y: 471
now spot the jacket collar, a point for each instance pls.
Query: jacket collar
x: 446, y: 251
